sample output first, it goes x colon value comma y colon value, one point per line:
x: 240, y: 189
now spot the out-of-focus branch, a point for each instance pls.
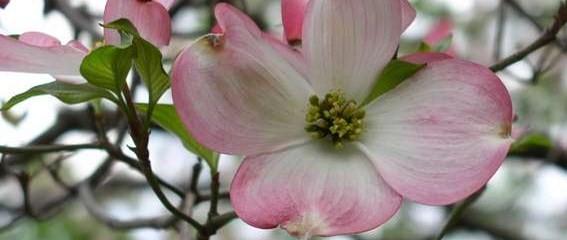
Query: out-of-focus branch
x: 50, y: 208
x: 499, y: 228
x: 38, y: 149
x: 555, y: 156
x: 457, y: 213
x: 66, y: 121
x: 547, y: 37
x: 86, y: 196
x: 79, y: 20
x: 522, y: 12
x: 119, y: 155
x: 140, y: 136
x: 501, y: 26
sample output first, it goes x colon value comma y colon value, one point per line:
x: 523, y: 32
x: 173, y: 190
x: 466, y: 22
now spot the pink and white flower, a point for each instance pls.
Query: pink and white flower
x: 35, y: 52
x: 435, y: 139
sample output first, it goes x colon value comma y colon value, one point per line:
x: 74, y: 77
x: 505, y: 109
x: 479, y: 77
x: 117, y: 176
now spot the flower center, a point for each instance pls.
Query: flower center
x: 335, y: 118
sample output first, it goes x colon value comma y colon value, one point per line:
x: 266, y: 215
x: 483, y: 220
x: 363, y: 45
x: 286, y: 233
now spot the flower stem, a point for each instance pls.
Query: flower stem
x: 140, y: 136
x: 548, y: 36
x: 457, y: 212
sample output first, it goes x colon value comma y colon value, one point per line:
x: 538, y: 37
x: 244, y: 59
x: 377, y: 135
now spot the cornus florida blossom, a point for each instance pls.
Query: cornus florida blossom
x: 35, y: 52
x: 317, y: 162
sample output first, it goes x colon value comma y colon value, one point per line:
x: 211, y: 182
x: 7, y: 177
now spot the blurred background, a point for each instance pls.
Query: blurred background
x: 526, y: 199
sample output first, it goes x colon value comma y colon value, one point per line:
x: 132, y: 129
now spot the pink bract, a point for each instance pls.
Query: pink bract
x: 34, y: 52
x: 435, y: 139
x: 151, y: 18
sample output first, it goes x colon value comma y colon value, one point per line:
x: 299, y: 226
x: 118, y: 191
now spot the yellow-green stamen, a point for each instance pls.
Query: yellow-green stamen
x: 335, y: 118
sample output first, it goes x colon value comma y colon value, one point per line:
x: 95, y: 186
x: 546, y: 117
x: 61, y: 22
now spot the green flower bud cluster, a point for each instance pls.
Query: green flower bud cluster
x: 335, y: 118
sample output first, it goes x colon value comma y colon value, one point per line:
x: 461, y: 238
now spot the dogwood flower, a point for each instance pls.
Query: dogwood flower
x: 317, y: 161
x: 442, y: 30
x: 34, y: 52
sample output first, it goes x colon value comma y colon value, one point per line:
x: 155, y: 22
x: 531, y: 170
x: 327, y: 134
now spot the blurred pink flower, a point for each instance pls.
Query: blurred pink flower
x: 435, y: 139
x: 442, y: 30
x: 35, y: 52
x: 4, y: 3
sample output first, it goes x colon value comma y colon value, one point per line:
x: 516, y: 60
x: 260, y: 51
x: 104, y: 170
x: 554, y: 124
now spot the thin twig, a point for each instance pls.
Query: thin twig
x: 86, y: 196
x: 78, y: 19
x: 522, y: 12
x: 500, y: 29
x: 53, y: 170
x: 548, y: 36
x: 194, y: 183
x: 121, y: 156
x: 140, y: 136
x: 457, y: 213
x: 39, y: 149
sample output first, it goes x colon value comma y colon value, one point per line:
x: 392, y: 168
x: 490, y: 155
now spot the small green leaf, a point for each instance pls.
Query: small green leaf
x: 166, y: 117
x: 441, y: 46
x: 444, y: 44
x: 66, y: 92
x: 424, y: 47
x: 393, y: 75
x: 147, y: 60
x: 123, y: 25
x: 108, y: 67
x: 532, y: 144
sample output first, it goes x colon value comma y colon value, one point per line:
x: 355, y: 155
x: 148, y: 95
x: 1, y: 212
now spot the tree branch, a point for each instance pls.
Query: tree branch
x: 140, y: 136
x: 39, y: 149
x: 86, y: 196
x: 522, y: 12
x: 457, y: 213
x: 548, y: 36
x: 78, y: 19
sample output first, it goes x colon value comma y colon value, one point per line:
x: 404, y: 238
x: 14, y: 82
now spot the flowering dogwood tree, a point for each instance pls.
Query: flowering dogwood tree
x: 336, y: 125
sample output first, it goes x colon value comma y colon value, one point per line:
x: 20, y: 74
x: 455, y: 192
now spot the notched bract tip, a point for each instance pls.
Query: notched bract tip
x: 506, y: 130
x: 215, y: 40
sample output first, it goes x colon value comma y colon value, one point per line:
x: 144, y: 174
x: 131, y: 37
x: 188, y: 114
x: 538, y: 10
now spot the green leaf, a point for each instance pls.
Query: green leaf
x: 147, y: 60
x: 126, y: 29
x: 441, y: 46
x: 166, y: 117
x: 108, y: 67
x: 393, y: 75
x: 444, y: 44
x: 123, y: 25
x: 424, y: 47
x: 532, y: 144
x: 66, y: 92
